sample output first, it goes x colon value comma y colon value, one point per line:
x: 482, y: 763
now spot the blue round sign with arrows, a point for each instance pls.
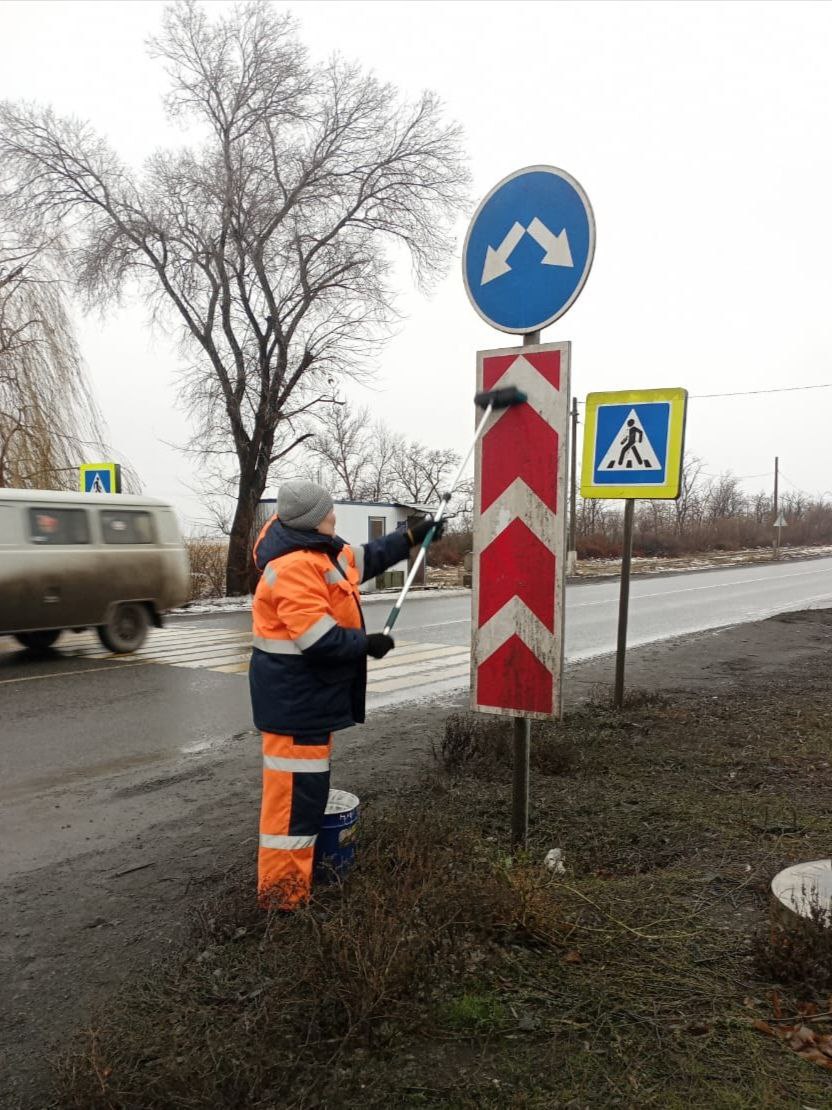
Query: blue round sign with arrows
x: 529, y: 249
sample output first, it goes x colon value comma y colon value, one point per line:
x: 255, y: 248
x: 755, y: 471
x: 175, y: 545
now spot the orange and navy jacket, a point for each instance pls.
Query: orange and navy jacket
x: 308, y: 672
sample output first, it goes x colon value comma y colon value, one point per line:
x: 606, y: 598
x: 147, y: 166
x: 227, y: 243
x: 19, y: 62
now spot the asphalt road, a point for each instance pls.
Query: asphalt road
x: 81, y: 721
x: 660, y: 607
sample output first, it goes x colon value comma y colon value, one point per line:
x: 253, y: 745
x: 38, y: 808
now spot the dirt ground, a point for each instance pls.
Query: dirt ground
x: 72, y: 933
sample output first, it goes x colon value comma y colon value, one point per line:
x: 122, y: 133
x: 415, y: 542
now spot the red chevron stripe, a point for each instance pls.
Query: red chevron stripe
x: 517, y: 564
x: 547, y: 364
x: 520, y: 445
x: 494, y: 368
x: 514, y: 678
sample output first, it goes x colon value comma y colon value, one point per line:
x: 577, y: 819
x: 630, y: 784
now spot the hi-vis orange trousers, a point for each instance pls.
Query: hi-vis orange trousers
x: 295, y: 792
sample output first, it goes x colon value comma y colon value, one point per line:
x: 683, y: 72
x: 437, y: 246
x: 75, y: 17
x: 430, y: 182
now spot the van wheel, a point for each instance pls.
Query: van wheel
x: 38, y: 641
x: 126, y: 630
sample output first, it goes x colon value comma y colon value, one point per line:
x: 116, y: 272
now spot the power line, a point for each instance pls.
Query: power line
x: 739, y: 477
x: 795, y: 486
x: 753, y: 392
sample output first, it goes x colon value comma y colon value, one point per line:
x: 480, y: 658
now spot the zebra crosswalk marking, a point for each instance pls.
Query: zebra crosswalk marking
x: 197, y: 654
x: 427, y: 666
x: 426, y: 651
x: 412, y: 665
x: 444, y: 675
x: 211, y: 664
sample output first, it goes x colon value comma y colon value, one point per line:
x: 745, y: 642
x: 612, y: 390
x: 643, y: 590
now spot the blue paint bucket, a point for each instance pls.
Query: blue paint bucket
x: 335, y: 846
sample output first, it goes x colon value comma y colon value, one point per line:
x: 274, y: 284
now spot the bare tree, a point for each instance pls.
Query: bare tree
x: 760, y: 505
x: 379, y: 481
x: 341, y: 449
x: 422, y: 473
x: 365, y: 460
x: 795, y: 504
x: 270, y: 240
x: 687, y: 508
x: 652, y: 517
x: 48, y: 419
x: 725, y: 498
x: 592, y: 516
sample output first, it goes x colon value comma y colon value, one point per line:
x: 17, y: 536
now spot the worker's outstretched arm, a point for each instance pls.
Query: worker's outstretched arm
x: 394, y: 547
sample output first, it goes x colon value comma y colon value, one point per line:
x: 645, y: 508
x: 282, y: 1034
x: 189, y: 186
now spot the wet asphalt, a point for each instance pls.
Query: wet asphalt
x: 68, y: 722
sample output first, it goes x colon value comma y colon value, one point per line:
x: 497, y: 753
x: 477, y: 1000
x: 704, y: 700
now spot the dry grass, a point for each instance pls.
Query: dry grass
x: 447, y: 974
x: 485, y: 743
x: 208, y: 558
x: 258, y: 1005
x: 797, y: 951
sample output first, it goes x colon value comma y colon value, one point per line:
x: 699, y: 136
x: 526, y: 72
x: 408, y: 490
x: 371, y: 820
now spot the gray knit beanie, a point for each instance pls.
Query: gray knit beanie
x: 302, y: 504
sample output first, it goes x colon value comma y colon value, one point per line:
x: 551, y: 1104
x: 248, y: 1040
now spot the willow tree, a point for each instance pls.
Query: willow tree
x: 48, y: 419
x: 269, y: 238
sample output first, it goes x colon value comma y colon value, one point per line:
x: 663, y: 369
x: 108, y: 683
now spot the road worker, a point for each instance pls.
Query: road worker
x: 308, y: 673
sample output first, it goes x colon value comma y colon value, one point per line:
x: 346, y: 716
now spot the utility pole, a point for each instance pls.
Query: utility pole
x: 572, y: 553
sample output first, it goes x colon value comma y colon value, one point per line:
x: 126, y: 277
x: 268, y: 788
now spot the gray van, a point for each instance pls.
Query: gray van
x: 74, y: 561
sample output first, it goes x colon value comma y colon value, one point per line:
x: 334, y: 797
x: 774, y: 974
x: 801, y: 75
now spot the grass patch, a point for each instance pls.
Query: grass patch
x: 473, y: 1012
x: 445, y: 973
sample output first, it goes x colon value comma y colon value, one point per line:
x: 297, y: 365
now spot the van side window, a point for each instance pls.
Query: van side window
x: 58, y: 526
x: 167, y: 526
x: 126, y: 526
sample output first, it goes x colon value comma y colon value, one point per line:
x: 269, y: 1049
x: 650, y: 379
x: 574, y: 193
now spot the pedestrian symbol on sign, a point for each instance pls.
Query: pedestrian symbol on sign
x: 97, y: 485
x: 631, y: 448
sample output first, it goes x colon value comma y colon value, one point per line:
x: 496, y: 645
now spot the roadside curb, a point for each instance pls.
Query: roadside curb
x: 414, y: 595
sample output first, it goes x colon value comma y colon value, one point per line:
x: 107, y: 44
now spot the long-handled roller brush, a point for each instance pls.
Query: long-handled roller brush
x: 488, y: 401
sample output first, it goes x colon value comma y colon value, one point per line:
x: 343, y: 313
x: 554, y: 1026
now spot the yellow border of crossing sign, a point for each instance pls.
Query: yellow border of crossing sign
x: 668, y: 489
x: 111, y: 468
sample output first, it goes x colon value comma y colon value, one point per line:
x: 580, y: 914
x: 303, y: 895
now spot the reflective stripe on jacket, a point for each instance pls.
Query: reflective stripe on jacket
x: 308, y: 669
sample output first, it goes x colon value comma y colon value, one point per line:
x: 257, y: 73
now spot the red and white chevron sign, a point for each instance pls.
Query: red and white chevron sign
x: 520, y: 534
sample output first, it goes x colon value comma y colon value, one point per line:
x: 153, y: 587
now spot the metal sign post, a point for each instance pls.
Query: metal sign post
x: 522, y: 746
x: 527, y: 255
x: 624, y: 603
x: 572, y: 554
x: 633, y: 446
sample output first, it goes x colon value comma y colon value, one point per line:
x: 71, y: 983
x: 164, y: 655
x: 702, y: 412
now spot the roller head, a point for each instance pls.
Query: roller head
x: 500, y: 398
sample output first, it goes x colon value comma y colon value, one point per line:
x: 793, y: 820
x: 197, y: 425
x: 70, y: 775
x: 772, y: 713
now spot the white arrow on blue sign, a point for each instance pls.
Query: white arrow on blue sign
x: 529, y: 249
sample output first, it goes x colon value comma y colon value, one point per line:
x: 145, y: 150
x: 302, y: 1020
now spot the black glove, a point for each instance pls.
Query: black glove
x: 378, y: 644
x: 417, y: 533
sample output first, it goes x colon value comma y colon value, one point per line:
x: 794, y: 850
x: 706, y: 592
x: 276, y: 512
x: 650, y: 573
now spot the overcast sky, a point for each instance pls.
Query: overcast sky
x: 702, y: 134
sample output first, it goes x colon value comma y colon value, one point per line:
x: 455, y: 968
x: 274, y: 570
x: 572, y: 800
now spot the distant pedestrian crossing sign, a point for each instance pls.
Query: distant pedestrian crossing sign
x: 100, y: 477
x: 633, y: 443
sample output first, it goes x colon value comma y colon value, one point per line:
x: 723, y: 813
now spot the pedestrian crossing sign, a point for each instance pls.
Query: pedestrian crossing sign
x: 633, y: 443
x: 100, y: 477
